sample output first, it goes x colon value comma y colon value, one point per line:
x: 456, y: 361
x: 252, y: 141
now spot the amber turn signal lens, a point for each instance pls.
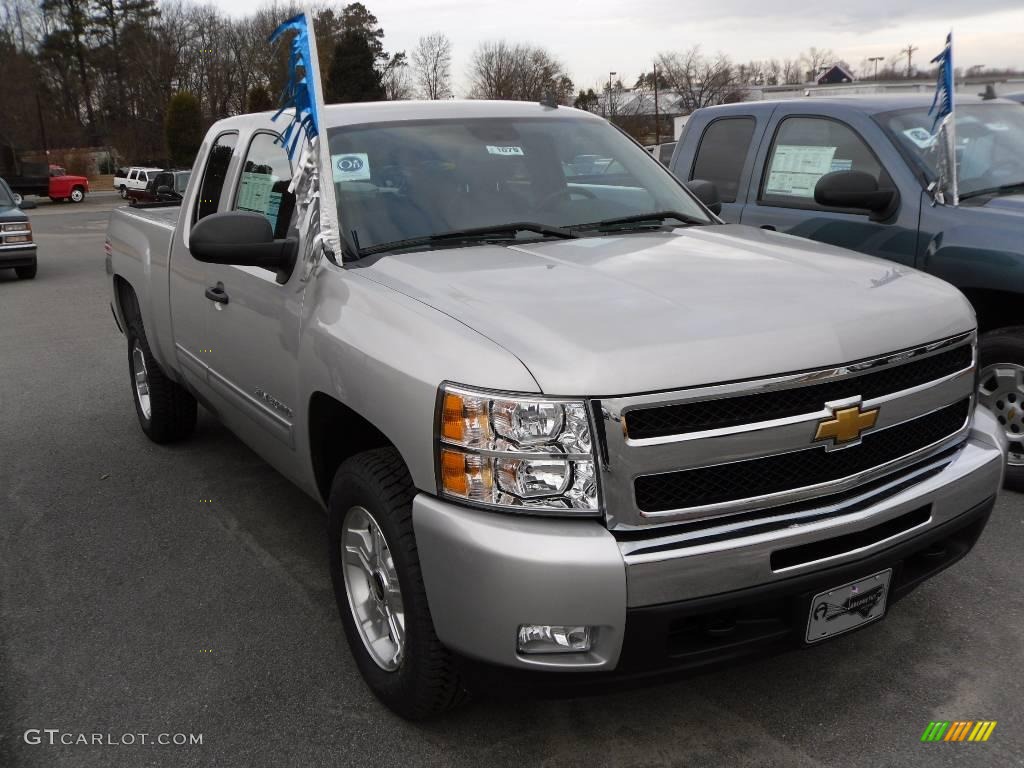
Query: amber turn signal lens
x: 453, y: 423
x: 454, y: 478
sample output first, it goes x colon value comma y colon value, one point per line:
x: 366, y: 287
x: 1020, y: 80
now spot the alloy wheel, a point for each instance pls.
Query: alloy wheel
x: 371, y: 583
x: 1002, y: 391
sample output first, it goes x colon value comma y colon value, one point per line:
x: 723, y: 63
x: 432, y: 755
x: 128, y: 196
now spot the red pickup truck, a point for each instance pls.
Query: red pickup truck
x: 58, y: 185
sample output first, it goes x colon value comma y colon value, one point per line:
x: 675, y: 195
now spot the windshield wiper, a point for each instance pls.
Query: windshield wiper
x: 494, y: 232
x: 645, y: 220
x: 993, y: 190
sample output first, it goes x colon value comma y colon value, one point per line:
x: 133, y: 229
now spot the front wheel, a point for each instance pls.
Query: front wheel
x: 1001, y: 390
x: 379, y: 587
x: 77, y: 195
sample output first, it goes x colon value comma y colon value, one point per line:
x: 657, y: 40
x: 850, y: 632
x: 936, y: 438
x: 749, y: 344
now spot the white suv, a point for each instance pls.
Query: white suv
x: 137, y: 178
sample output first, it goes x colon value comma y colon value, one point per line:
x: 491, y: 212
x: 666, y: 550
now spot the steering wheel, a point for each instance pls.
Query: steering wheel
x: 567, y: 193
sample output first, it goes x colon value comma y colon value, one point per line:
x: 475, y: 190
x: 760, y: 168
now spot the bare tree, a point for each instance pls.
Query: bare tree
x: 501, y: 70
x: 700, y: 81
x: 816, y: 59
x: 791, y: 74
x: 397, y: 79
x: 432, y: 65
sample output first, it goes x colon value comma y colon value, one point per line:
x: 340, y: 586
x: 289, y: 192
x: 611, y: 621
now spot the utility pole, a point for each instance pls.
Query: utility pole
x: 657, y: 131
x: 909, y: 50
x: 876, y: 59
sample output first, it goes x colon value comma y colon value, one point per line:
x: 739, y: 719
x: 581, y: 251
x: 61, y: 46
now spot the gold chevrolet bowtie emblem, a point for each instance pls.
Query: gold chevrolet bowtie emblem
x: 846, y: 424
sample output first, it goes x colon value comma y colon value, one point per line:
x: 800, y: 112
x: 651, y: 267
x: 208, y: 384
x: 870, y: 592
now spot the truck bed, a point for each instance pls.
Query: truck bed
x: 140, y: 245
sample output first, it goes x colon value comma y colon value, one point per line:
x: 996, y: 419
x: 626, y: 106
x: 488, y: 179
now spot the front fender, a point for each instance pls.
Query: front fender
x: 384, y: 355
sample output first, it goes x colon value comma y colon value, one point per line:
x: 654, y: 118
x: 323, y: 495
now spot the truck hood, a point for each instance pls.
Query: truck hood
x: 1006, y: 204
x: 651, y: 311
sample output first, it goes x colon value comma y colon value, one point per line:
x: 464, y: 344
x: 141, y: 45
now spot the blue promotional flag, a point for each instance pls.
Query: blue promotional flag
x: 313, y: 176
x: 943, y: 107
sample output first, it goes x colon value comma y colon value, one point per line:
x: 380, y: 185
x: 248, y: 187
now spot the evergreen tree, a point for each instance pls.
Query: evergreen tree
x: 354, y: 75
x: 183, y: 129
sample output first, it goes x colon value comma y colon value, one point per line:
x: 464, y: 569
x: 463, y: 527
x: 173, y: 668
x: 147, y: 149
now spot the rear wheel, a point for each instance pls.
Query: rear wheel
x: 166, y: 410
x: 26, y: 273
x: 379, y: 588
x: 123, y: 192
x: 18, y: 198
x: 77, y: 195
x: 1001, y: 390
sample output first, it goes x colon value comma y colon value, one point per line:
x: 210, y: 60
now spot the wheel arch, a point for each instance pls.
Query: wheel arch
x: 995, y: 309
x: 336, y: 433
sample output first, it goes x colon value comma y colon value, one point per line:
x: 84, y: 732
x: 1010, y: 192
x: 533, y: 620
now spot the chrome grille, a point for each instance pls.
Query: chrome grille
x: 924, y: 397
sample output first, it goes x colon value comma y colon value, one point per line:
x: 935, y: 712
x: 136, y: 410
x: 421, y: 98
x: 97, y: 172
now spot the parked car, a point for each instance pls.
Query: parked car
x: 165, y: 186
x: 58, y: 185
x: 17, y: 248
x: 858, y: 173
x: 136, y: 179
x: 566, y: 427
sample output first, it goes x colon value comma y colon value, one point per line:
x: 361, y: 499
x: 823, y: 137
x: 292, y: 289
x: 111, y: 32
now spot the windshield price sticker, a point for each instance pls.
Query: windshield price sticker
x: 351, y: 167
x: 505, y: 151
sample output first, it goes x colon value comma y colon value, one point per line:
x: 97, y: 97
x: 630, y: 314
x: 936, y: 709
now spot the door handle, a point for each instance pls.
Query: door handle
x: 216, y: 293
x: 769, y: 227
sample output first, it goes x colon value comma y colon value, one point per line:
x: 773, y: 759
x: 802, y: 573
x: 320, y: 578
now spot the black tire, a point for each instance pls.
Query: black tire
x: 426, y: 681
x: 173, y: 410
x: 1006, y: 345
x: 26, y: 273
x: 123, y: 191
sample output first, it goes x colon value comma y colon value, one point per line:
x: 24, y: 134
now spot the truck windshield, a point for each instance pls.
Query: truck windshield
x: 415, y: 179
x: 989, y: 144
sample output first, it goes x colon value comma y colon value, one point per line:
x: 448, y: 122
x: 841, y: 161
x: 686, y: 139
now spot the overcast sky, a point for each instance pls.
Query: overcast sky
x: 595, y: 37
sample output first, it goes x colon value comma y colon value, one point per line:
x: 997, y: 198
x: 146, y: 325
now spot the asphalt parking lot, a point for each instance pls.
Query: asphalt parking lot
x: 185, y: 590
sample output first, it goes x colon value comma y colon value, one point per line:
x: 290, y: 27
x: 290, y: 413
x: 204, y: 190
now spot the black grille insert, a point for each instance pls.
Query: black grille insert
x: 787, y: 471
x: 776, y: 404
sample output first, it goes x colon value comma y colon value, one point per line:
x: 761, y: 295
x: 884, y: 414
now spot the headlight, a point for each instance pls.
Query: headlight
x: 21, y: 226
x: 519, y: 452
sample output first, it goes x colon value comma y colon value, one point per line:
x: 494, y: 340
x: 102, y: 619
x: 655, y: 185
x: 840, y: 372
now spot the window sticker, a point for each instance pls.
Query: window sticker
x: 505, y: 151
x: 254, y: 192
x: 354, y: 166
x: 796, y: 169
x: 920, y: 137
x: 841, y: 165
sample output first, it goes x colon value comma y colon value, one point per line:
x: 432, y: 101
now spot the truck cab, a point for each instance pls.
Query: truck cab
x: 775, y: 165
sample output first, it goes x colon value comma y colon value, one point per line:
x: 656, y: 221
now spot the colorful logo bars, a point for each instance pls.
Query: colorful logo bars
x: 959, y: 730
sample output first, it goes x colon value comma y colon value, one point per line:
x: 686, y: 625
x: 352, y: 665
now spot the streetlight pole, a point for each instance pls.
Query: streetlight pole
x: 657, y: 128
x: 876, y: 59
x: 608, y: 100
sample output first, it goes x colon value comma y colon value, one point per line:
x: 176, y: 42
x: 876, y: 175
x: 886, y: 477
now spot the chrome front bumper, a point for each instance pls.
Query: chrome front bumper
x: 487, y: 573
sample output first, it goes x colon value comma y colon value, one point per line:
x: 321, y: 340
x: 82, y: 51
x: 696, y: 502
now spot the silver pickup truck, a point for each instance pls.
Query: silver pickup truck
x: 567, y: 426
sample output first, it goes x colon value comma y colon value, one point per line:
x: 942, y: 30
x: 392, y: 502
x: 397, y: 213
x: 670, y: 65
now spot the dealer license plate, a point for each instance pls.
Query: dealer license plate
x: 841, y: 609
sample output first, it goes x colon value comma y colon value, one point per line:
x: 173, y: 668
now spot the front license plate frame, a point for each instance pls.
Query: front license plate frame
x: 848, y: 606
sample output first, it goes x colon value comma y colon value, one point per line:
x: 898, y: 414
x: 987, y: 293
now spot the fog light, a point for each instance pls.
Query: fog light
x: 547, y: 638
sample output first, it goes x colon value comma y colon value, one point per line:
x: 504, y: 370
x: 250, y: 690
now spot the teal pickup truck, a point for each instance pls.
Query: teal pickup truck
x: 860, y: 172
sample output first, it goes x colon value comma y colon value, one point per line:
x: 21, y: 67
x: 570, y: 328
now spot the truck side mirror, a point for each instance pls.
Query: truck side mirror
x: 244, y: 239
x: 163, y: 189
x: 856, y: 189
x: 27, y: 205
x: 707, y: 193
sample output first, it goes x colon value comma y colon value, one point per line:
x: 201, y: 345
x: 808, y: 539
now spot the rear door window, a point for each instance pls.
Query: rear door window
x: 721, y: 154
x: 214, y: 175
x: 804, y: 150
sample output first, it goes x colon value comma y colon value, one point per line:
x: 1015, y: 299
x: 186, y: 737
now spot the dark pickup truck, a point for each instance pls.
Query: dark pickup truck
x: 860, y: 172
